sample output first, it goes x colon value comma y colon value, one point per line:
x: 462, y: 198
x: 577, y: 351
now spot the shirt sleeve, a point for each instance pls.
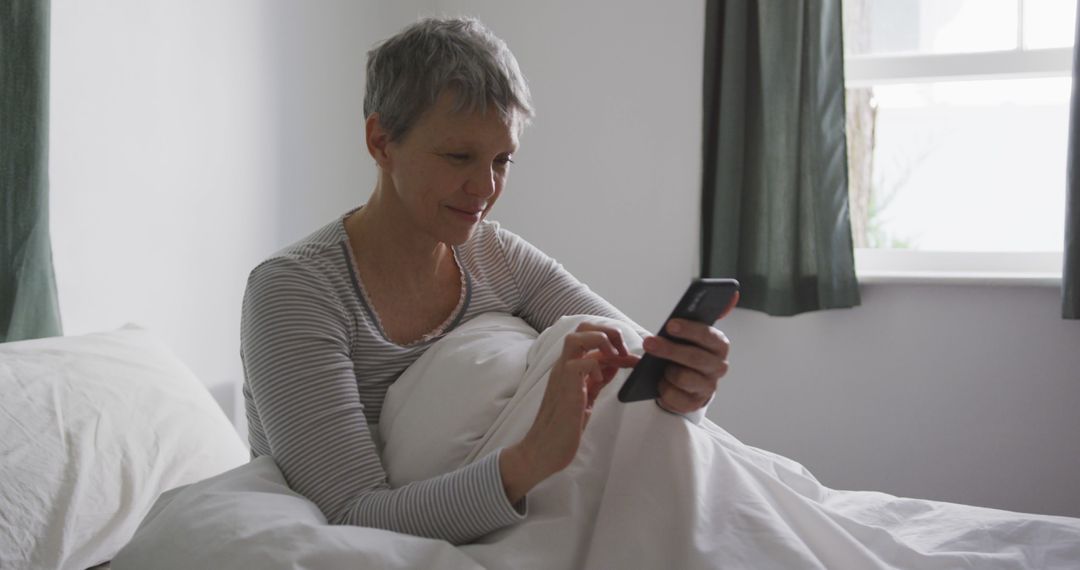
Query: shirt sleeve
x: 548, y: 291
x: 298, y: 367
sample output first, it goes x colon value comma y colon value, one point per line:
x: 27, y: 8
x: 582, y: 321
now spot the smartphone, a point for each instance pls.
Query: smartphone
x: 705, y: 301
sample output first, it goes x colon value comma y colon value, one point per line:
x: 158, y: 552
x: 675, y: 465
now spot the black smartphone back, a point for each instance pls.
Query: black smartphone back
x: 704, y: 301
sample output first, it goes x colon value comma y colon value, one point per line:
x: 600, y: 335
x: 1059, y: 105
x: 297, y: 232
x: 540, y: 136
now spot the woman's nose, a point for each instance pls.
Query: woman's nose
x: 482, y: 182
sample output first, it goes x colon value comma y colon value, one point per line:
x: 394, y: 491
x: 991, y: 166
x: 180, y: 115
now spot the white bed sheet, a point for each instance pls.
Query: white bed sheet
x: 647, y: 490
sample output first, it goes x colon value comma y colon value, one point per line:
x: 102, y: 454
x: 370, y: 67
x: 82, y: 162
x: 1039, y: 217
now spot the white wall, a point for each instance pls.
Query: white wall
x: 960, y: 393
x: 159, y: 155
x: 187, y: 147
x: 317, y: 52
x: 188, y: 141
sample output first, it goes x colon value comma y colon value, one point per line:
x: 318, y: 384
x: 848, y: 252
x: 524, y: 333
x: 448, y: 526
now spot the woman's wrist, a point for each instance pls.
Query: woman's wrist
x: 519, y: 471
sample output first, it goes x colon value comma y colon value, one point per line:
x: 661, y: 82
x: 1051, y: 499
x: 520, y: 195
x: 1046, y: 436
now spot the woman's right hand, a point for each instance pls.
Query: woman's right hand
x: 590, y: 358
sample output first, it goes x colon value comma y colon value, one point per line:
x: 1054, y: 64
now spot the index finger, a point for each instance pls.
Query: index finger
x: 613, y: 334
x: 581, y: 342
x: 616, y: 361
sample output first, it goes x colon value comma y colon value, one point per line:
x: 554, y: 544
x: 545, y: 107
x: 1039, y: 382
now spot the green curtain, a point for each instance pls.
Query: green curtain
x: 28, y: 302
x: 1070, y: 274
x: 774, y: 181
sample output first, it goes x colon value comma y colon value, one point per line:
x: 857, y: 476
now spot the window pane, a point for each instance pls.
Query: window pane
x: 1049, y: 23
x: 962, y: 166
x: 929, y: 26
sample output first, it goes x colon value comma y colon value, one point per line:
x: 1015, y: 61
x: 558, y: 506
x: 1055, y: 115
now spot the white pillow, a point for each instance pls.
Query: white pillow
x: 92, y: 429
x: 444, y: 403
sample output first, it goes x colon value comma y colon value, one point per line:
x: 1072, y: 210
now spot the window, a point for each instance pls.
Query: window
x: 958, y: 115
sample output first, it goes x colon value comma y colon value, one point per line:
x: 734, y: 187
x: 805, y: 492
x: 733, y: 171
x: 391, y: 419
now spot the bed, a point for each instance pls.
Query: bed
x: 647, y: 490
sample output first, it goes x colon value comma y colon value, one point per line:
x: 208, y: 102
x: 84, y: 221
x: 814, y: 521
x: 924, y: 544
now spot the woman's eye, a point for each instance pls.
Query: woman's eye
x: 460, y: 157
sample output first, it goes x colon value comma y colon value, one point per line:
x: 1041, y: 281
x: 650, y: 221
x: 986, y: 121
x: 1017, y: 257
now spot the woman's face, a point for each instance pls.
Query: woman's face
x: 449, y: 169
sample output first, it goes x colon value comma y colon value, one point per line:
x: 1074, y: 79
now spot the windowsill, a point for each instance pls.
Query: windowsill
x: 994, y: 279
x: 1029, y: 269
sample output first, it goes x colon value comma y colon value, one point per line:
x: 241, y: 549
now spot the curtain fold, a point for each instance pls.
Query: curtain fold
x: 1070, y: 273
x: 28, y: 300
x: 774, y: 180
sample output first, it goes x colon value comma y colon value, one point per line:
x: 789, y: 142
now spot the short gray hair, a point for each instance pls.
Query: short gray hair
x: 407, y: 72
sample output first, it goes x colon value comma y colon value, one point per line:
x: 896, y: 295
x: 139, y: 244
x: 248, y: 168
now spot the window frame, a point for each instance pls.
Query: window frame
x: 872, y: 70
x: 879, y: 265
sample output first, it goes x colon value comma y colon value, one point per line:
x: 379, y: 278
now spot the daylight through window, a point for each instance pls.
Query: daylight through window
x: 958, y: 123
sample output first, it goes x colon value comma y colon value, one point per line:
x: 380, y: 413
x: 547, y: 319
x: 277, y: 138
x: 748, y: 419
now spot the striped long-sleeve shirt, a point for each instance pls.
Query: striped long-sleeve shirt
x: 317, y: 367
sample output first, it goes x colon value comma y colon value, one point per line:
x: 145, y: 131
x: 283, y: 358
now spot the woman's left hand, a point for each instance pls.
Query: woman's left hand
x: 690, y: 378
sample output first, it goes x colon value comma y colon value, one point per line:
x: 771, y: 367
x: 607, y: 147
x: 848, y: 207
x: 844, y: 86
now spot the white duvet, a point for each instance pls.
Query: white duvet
x: 647, y: 490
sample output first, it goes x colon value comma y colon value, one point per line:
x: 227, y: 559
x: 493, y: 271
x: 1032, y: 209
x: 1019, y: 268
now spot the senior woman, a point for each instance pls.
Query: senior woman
x: 331, y: 321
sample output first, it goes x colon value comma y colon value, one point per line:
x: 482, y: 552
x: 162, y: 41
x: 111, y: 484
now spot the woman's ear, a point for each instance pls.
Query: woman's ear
x: 377, y: 140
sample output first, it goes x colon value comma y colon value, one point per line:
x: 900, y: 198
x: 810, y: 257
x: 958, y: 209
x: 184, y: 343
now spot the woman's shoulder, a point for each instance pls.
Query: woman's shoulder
x: 298, y: 288
x: 491, y: 235
x: 315, y: 262
x: 319, y: 243
x: 499, y: 255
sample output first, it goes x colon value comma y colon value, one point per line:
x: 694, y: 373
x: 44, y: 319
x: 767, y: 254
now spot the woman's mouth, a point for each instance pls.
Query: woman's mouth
x: 468, y: 215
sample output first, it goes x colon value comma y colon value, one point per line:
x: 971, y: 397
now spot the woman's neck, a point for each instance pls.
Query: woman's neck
x: 386, y: 244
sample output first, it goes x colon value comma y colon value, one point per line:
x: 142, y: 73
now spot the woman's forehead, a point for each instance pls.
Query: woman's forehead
x: 448, y: 127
